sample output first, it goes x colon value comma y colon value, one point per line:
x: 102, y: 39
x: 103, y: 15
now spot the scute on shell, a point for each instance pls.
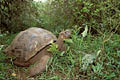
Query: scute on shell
x: 27, y: 43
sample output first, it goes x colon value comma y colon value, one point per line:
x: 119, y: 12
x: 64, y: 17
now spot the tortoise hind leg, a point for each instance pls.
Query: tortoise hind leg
x: 40, y: 66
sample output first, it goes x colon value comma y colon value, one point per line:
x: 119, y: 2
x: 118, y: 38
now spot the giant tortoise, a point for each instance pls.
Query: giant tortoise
x: 30, y: 47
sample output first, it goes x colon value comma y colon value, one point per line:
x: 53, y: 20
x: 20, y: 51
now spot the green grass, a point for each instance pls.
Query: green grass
x: 89, y: 58
x: 6, y: 67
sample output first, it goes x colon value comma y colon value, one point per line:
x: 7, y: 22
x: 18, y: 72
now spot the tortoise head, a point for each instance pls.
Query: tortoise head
x: 62, y: 36
x: 65, y: 34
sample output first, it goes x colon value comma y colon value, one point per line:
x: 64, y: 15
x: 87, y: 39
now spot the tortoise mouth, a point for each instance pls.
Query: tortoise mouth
x: 70, y: 37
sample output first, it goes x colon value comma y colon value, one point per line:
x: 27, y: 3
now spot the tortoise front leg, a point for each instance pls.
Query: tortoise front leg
x: 40, y: 66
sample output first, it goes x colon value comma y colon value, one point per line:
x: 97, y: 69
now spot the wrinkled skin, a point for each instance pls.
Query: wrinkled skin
x: 39, y: 61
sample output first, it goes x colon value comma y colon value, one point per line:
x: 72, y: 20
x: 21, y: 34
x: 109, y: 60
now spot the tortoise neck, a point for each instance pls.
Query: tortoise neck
x: 60, y: 43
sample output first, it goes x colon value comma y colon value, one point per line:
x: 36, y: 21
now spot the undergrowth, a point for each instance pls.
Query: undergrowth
x: 86, y: 58
x: 6, y: 67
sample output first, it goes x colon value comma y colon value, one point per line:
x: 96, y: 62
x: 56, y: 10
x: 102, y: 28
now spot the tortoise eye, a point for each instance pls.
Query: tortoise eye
x: 67, y: 33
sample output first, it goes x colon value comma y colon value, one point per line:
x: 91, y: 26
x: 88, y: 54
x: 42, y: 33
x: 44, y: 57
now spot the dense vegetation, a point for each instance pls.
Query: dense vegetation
x: 93, y: 53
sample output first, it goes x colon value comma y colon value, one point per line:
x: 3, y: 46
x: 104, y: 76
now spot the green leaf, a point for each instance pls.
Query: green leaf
x: 84, y: 33
x: 69, y: 41
x: 53, y: 47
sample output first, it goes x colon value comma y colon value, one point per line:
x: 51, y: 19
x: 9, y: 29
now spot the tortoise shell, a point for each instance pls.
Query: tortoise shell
x: 27, y: 43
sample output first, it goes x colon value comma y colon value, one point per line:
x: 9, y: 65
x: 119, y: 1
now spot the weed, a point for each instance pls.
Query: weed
x: 84, y: 58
